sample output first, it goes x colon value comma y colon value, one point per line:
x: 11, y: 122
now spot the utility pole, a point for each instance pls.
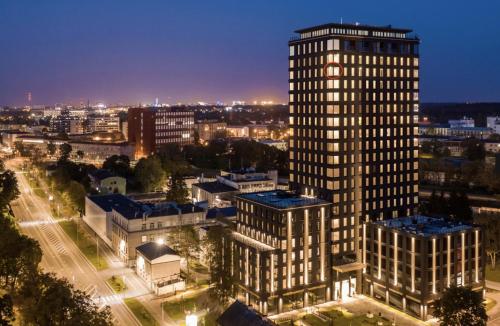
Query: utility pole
x: 97, y: 246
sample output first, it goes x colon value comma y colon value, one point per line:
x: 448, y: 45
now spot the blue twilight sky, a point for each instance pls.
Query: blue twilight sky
x: 121, y: 51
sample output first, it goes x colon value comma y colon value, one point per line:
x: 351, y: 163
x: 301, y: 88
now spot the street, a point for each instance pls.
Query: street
x: 60, y: 254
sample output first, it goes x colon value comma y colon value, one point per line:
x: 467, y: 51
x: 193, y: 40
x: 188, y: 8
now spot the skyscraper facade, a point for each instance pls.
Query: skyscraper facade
x: 354, y: 101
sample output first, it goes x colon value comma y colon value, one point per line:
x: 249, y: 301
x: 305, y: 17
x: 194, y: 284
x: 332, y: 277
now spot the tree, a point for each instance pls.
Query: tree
x: 80, y: 154
x: 185, y: 240
x: 474, y: 149
x: 491, y: 227
x: 6, y: 310
x: 19, y: 147
x: 216, y: 247
x: 118, y: 165
x: 461, y: 306
x: 51, y: 148
x: 196, y: 137
x: 177, y: 190
x: 149, y: 174
x: 9, y: 189
x: 19, y: 255
x: 64, y: 150
x: 54, y: 301
x: 76, y: 193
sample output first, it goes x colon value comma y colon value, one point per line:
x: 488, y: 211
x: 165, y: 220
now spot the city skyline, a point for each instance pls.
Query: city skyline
x: 70, y: 53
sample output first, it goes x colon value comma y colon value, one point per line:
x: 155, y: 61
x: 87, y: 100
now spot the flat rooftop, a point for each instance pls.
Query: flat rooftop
x: 215, y: 187
x: 386, y: 28
x: 282, y: 199
x: 131, y: 209
x: 425, y: 225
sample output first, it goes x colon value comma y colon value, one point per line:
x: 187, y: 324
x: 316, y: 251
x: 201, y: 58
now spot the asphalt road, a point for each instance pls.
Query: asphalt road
x: 60, y: 254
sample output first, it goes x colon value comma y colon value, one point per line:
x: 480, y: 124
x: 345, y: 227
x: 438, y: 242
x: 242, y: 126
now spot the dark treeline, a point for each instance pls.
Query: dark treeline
x: 442, y: 112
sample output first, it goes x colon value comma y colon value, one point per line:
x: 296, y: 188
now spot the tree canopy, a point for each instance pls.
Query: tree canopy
x: 8, y: 188
x: 149, y: 174
x: 461, y: 306
x: 118, y: 165
x: 218, y: 254
x: 177, y: 190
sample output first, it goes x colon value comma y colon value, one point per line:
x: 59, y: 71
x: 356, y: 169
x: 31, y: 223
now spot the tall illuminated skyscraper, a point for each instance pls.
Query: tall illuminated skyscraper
x: 354, y: 101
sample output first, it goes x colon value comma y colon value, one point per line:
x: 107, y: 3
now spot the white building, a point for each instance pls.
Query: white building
x: 160, y: 268
x: 494, y: 124
x: 464, y: 122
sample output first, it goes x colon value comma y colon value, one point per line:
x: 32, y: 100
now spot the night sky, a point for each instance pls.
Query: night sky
x: 68, y: 51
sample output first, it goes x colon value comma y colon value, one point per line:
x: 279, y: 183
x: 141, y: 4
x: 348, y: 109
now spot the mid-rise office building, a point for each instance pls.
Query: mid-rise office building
x: 411, y: 260
x: 354, y: 104
x: 67, y: 124
x: 100, y: 123
x: 280, y: 250
x: 151, y: 128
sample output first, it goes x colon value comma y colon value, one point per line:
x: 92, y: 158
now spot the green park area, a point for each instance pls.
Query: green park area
x: 117, y: 283
x: 197, y: 301
x: 140, y: 312
x: 86, y: 245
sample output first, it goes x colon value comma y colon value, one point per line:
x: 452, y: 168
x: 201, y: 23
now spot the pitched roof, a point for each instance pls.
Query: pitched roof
x: 239, y: 314
x: 154, y: 250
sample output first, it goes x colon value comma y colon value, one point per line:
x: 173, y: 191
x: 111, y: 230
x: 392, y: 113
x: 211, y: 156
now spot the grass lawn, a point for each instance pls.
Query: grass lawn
x: 140, y: 312
x: 85, y: 243
x: 116, y: 282
x: 493, y: 274
x: 177, y: 308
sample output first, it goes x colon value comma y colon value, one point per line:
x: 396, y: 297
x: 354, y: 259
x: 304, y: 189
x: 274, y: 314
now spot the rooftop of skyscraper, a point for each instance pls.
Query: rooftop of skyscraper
x: 282, y: 199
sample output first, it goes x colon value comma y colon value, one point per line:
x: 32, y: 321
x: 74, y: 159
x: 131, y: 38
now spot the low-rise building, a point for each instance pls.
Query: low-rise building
x: 463, y: 122
x: 105, y: 182
x: 258, y: 131
x: 237, y: 131
x: 216, y: 194
x: 493, y: 123
x: 248, y: 180
x: 467, y: 132
x: 208, y: 130
x: 94, y: 151
x: 124, y: 223
x: 135, y: 223
x: 411, y: 260
x: 160, y: 268
x: 221, y: 192
x: 98, y: 152
x: 282, y: 145
x: 97, y: 213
